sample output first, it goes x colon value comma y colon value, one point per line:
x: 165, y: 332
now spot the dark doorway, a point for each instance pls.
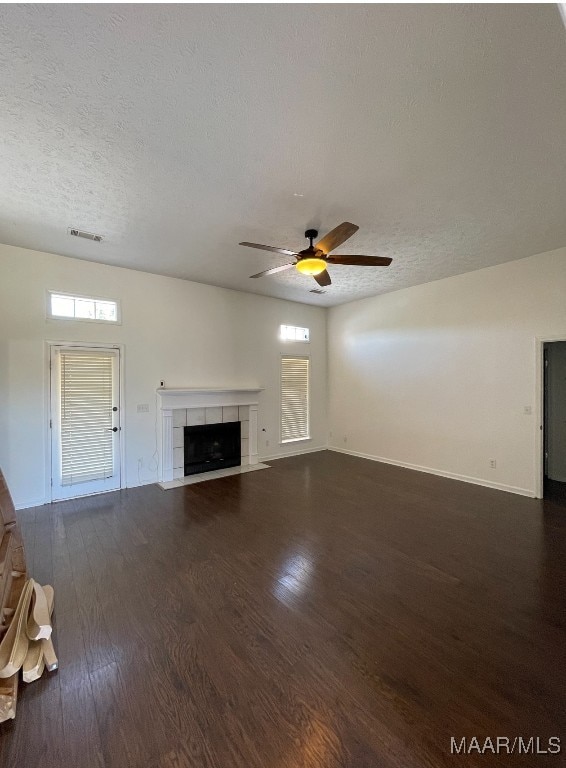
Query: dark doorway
x: 555, y: 421
x: 212, y: 446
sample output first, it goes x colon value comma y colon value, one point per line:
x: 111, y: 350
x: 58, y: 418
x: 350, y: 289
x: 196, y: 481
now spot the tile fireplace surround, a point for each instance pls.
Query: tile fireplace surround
x: 186, y: 407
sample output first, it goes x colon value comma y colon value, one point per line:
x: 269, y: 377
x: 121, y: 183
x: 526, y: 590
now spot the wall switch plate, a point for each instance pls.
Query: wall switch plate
x: 143, y: 408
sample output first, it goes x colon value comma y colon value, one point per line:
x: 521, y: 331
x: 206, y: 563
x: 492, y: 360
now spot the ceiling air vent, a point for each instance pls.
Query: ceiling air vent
x: 86, y: 235
x: 317, y: 290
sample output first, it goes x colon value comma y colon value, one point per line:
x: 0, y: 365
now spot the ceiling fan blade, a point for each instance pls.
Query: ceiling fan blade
x: 273, y: 270
x: 361, y: 261
x: 337, y: 236
x: 270, y: 248
x: 323, y: 278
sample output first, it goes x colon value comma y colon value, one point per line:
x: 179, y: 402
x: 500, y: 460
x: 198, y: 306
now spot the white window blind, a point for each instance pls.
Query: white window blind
x: 86, y: 417
x: 294, y: 398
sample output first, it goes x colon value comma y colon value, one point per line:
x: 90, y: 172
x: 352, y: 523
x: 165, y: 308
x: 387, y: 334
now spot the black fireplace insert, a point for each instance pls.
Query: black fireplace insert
x: 212, y: 446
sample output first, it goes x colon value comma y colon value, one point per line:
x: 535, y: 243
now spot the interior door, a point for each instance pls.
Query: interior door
x: 555, y: 412
x: 85, y: 421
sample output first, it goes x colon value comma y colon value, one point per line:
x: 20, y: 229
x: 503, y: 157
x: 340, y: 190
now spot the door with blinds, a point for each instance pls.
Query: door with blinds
x: 85, y: 421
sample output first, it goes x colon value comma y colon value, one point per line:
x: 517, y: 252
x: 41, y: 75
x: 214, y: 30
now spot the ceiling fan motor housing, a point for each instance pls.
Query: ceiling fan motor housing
x: 310, y: 261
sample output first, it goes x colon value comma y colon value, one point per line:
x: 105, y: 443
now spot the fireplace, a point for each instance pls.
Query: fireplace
x: 181, y: 408
x: 212, y: 446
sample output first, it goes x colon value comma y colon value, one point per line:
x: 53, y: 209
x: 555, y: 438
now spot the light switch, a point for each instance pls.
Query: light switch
x: 143, y: 408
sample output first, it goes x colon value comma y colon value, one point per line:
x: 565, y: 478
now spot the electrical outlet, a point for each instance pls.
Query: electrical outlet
x: 345, y: 439
x: 143, y: 408
x: 492, y: 463
x: 267, y: 443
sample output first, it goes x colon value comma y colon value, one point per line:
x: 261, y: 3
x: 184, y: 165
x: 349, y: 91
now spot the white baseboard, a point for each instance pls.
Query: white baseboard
x: 439, y: 472
x: 29, y: 504
x: 41, y: 502
x: 139, y: 484
x: 296, y: 452
x: 381, y: 459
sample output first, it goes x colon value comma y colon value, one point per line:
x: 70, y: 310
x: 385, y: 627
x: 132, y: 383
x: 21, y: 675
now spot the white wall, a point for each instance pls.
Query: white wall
x: 185, y: 333
x: 437, y: 376
x: 556, y: 411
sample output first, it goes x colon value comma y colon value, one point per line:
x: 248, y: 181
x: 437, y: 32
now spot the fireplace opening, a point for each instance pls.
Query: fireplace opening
x: 212, y: 446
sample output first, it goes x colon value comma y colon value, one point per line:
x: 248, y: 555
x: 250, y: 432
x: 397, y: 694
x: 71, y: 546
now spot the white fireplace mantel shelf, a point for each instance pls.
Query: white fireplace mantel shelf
x: 201, y: 397
x: 175, y: 400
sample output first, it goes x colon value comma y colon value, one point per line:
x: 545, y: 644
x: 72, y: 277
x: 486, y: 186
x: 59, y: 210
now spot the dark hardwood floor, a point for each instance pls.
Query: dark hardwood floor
x: 329, y: 611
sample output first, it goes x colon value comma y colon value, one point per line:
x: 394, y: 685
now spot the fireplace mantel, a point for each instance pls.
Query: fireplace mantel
x: 202, y: 397
x: 246, y: 399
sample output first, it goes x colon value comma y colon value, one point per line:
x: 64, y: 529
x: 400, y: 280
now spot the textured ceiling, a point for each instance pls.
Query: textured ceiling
x: 177, y: 131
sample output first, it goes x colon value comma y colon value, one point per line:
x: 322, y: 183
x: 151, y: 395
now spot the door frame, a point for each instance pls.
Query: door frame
x: 540, y: 341
x: 48, y: 406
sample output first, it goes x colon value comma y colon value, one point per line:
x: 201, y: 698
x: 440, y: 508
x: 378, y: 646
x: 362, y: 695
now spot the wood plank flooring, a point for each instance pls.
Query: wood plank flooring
x: 329, y: 611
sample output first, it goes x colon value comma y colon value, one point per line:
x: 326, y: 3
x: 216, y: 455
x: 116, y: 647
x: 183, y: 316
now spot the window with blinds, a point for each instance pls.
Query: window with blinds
x: 294, y: 398
x: 87, y: 447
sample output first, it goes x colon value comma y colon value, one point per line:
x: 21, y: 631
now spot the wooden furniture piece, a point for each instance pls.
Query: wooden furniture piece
x: 40, y: 652
x: 25, y: 612
x: 13, y: 577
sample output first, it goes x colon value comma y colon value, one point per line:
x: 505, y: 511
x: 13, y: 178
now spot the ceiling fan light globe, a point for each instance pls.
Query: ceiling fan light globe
x: 311, y: 266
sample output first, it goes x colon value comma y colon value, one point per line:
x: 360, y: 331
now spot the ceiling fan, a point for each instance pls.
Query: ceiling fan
x: 314, y: 259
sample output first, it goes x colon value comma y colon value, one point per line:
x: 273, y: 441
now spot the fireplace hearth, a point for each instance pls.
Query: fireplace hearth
x: 212, y: 446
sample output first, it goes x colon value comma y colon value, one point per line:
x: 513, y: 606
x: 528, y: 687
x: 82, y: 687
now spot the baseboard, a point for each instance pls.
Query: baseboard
x: 139, y: 484
x: 41, y: 502
x: 29, y: 504
x: 296, y: 452
x: 439, y: 472
x: 381, y: 459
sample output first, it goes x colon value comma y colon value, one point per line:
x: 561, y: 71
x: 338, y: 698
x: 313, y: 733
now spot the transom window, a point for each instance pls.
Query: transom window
x: 67, y: 306
x: 294, y: 333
